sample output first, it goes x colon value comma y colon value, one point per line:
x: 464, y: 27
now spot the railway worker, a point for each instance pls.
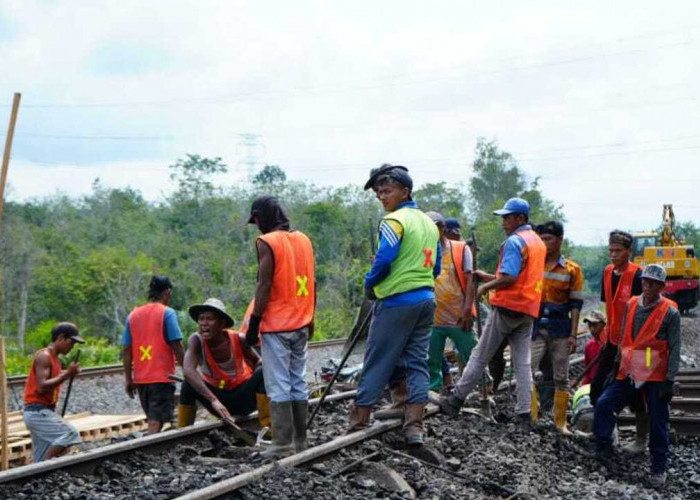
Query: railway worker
x: 646, y: 364
x: 621, y: 280
x: 152, y: 342
x: 282, y: 315
x: 51, y: 435
x: 516, y: 292
x: 401, y: 280
x: 556, y: 329
x: 221, y: 370
x: 454, y: 300
x: 596, y: 323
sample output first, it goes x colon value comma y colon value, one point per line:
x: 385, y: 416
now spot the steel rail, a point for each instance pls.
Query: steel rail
x: 88, y: 460
x: 687, y: 425
x: 232, y: 484
x: 97, y: 371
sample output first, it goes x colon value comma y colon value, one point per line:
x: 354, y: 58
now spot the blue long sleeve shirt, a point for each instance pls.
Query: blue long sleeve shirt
x: 387, y: 252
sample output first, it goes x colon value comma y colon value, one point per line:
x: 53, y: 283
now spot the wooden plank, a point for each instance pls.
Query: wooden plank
x: 4, y: 453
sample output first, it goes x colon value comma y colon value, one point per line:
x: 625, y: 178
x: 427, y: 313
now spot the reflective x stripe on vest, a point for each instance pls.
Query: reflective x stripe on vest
x: 615, y: 305
x: 146, y: 352
x: 525, y: 295
x: 644, y: 358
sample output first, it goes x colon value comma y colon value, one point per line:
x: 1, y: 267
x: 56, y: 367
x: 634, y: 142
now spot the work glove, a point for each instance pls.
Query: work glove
x: 369, y: 294
x: 666, y: 391
x: 251, y: 336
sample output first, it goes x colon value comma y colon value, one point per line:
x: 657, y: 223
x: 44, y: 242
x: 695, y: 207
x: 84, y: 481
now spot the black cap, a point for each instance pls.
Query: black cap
x: 393, y: 171
x: 68, y: 330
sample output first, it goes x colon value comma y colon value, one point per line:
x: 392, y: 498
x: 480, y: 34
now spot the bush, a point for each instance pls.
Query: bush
x: 39, y: 337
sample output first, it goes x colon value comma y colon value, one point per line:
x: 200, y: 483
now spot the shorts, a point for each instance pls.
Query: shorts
x: 157, y: 400
x: 49, y: 429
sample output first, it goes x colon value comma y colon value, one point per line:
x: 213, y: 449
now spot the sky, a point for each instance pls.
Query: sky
x: 599, y: 100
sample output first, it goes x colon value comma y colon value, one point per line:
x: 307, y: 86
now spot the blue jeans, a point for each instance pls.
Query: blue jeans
x: 284, y: 365
x: 620, y: 394
x: 397, y: 349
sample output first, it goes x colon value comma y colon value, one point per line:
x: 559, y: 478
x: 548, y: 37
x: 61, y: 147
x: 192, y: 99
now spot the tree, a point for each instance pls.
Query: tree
x: 449, y: 201
x: 193, y: 176
x: 496, y: 176
x: 269, y: 176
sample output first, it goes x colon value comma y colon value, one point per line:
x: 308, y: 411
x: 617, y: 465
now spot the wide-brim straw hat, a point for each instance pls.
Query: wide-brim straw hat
x: 211, y: 304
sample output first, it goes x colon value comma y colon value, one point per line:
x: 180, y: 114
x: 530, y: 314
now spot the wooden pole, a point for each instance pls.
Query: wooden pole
x: 5, y: 462
x: 8, y: 149
x: 6, y: 161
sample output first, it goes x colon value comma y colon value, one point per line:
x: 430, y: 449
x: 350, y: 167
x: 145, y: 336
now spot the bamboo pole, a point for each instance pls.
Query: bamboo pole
x: 5, y: 461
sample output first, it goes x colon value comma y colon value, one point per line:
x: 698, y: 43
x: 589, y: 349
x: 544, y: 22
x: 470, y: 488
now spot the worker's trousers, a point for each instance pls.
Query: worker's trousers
x: 397, y: 349
x: 618, y: 395
x: 558, y: 348
x: 284, y: 365
x: 516, y: 328
x: 464, y: 342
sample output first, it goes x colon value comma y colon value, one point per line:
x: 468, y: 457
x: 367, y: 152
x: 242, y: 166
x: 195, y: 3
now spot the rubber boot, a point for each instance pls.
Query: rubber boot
x: 263, y: 404
x: 413, y: 423
x: 282, y: 428
x: 561, y: 403
x: 640, y: 442
x: 359, y: 418
x: 399, y: 394
x: 300, y: 412
x: 534, y: 405
x: 186, y: 415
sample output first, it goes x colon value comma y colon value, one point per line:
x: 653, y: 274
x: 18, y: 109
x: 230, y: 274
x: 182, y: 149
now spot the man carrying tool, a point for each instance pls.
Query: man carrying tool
x: 152, y: 341
x: 556, y: 328
x: 221, y: 370
x: 51, y: 436
x: 516, y: 294
x: 454, y: 298
x: 401, y: 280
x: 283, y: 313
x: 646, y: 364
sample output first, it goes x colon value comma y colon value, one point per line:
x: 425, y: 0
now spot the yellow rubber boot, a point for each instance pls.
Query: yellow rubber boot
x: 561, y: 404
x: 186, y: 415
x: 535, y: 405
x: 263, y: 404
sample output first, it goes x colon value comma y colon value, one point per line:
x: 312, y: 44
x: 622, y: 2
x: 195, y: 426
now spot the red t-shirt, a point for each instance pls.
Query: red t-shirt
x: 590, y: 351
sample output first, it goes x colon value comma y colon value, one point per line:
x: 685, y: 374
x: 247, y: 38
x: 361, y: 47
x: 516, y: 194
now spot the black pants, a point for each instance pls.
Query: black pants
x: 238, y: 401
x: 605, y: 365
x: 497, y: 365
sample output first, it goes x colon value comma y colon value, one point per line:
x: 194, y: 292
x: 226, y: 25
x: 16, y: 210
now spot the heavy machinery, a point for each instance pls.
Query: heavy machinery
x: 669, y: 251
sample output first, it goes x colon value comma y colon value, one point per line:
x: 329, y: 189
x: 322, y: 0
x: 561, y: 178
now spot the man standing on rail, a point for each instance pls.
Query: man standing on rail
x: 516, y: 294
x: 646, y: 363
x: 401, y: 280
x: 152, y: 342
x: 622, y: 279
x: 51, y: 435
x: 454, y: 298
x: 283, y: 313
x: 556, y: 330
x: 221, y: 370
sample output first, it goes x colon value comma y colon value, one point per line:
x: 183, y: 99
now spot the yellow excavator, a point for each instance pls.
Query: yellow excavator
x: 669, y: 251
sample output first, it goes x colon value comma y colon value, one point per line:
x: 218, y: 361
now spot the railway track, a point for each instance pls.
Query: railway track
x: 98, y: 371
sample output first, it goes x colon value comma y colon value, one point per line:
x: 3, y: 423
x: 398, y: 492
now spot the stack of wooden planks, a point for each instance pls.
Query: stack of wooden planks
x: 91, y: 428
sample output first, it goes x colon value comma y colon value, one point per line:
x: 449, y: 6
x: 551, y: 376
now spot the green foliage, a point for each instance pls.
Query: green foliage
x: 39, y: 336
x: 269, y: 176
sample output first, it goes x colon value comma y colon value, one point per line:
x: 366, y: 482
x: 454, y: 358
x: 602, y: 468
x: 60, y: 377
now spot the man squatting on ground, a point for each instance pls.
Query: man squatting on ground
x: 556, y: 329
x: 646, y: 365
x: 51, y: 435
x: 516, y: 294
x: 622, y: 279
x: 282, y: 314
x: 152, y: 342
x: 221, y: 370
x: 401, y: 279
x: 454, y: 298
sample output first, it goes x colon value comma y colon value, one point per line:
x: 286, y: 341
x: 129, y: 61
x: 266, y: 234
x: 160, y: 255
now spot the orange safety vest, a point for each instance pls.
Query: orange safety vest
x: 615, y: 306
x: 644, y: 358
x: 220, y: 378
x: 525, y: 294
x: 152, y: 357
x: 292, y: 295
x: 457, y: 251
x: 32, y: 394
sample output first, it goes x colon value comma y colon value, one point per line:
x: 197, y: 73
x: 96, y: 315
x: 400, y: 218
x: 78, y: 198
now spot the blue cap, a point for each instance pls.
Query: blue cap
x: 452, y: 223
x: 514, y: 206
